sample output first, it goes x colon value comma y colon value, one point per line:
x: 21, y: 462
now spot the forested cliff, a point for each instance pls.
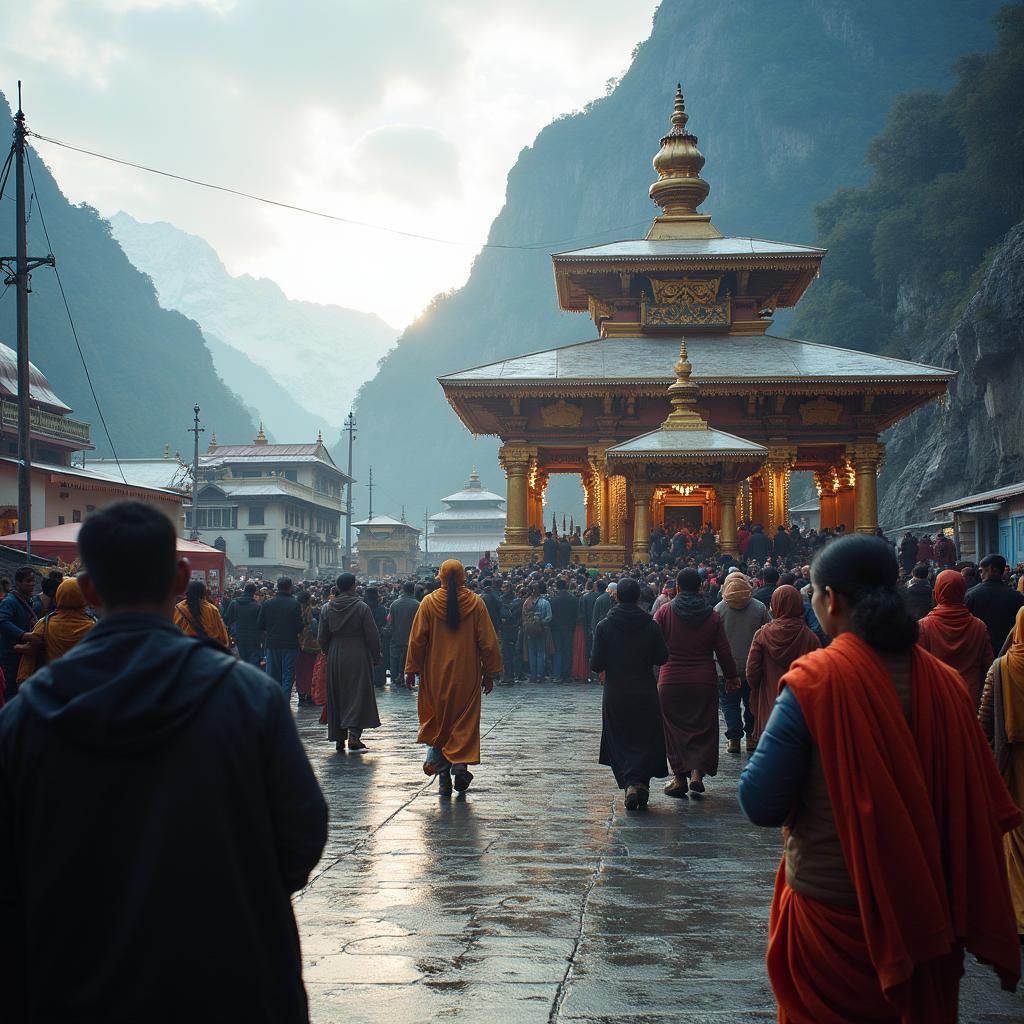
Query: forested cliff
x: 784, y: 104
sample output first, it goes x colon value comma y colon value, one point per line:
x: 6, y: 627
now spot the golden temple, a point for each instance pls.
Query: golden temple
x: 715, y: 442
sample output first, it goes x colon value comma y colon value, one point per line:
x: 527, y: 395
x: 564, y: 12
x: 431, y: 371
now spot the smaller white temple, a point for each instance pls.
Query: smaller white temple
x: 472, y: 523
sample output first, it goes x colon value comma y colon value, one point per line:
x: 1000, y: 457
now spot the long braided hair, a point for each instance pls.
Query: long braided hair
x: 195, y: 597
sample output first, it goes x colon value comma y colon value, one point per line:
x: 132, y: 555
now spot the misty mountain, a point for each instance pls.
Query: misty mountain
x: 784, y: 103
x: 149, y: 365
x: 318, y: 355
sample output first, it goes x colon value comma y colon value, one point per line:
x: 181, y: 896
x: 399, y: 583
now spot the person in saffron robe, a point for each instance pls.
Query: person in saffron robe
x: 1002, y: 719
x: 55, y: 634
x: 893, y: 862
x: 688, y: 684
x: 774, y: 648
x: 195, y: 616
x: 627, y: 646
x: 454, y: 650
x: 954, y: 635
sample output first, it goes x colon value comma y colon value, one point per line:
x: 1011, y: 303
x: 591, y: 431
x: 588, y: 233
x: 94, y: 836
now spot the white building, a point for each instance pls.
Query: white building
x: 274, y: 509
x: 473, y: 522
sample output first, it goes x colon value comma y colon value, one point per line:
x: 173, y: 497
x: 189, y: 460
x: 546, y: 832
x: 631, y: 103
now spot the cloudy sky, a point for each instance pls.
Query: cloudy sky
x: 404, y: 113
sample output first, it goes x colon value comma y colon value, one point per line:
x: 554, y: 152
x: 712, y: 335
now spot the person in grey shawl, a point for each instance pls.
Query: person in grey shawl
x: 348, y: 637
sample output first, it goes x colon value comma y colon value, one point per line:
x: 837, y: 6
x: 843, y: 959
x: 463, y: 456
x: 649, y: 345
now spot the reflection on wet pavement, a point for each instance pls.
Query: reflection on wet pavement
x: 537, y: 897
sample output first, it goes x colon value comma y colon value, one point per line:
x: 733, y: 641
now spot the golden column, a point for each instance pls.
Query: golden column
x: 727, y: 508
x: 515, y: 460
x: 641, y: 522
x: 598, y: 512
x: 867, y: 456
x: 781, y: 459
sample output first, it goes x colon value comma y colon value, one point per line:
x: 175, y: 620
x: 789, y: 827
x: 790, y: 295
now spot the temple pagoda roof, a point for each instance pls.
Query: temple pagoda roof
x: 720, y: 358
x: 688, y: 249
x: 662, y: 442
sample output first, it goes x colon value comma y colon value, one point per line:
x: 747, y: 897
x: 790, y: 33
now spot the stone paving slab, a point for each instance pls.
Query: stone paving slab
x: 537, y: 897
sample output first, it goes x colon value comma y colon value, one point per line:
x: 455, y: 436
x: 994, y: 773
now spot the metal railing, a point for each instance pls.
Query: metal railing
x: 49, y: 423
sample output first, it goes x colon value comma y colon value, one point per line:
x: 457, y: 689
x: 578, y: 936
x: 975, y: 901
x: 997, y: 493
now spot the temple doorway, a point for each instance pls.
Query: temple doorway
x: 689, y: 517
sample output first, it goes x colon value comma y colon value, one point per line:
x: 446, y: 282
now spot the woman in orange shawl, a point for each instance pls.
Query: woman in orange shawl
x: 453, y: 649
x: 954, y: 635
x: 195, y: 616
x: 55, y: 634
x: 776, y: 645
x: 1002, y: 719
x: 893, y: 862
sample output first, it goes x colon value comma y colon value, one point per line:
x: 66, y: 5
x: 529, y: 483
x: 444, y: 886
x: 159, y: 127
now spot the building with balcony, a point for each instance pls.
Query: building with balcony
x: 387, y: 547
x: 473, y: 523
x: 274, y: 509
x: 61, y: 492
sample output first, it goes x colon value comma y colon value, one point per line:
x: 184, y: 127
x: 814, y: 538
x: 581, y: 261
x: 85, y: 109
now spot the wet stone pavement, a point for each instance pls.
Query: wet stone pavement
x: 537, y: 897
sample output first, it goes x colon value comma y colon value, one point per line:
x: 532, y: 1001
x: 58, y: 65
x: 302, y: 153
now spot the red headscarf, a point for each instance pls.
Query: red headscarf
x: 954, y: 635
x: 787, y: 637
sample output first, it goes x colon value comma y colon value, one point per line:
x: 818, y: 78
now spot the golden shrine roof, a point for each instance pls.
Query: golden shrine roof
x: 717, y: 357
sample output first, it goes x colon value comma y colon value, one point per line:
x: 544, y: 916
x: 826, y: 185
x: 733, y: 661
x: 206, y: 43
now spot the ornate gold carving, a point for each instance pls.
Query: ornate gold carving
x: 561, y: 414
x: 515, y: 459
x: 820, y: 412
x: 685, y: 311
x: 689, y: 290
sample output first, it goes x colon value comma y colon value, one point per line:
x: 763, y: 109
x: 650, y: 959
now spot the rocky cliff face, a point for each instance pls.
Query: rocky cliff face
x: 973, y: 441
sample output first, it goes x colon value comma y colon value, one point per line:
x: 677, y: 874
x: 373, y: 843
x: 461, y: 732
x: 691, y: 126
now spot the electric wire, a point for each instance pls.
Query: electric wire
x: 71, y: 321
x: 533, y: 246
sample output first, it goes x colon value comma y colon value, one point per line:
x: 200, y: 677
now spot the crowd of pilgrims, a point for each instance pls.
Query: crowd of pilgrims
x: 880, y: 699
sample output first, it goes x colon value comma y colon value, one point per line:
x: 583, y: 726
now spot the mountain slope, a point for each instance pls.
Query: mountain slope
x: 784, y: 107
x: 149, y: 365
x: 318, y: 354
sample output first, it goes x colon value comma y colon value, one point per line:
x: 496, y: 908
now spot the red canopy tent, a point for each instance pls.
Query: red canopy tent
x: 62, y: 542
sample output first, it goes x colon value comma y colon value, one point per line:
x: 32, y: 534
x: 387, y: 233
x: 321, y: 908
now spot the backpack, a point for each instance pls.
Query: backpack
x: 532, y: 624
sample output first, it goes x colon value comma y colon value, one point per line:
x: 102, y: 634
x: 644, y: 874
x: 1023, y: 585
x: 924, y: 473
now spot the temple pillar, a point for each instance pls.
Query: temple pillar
x: 516, y: 463
x: 846, y: 508
x: 641, y: 522
x: 727, y: 512
x: 759, y: 507
x: 616, y: 510
x: 867, y: 456
x: 781, y: 459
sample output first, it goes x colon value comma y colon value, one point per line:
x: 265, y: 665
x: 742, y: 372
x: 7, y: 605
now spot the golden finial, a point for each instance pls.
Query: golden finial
x: 683, y: 396
x: 261, y: 438
x: 680, y: 189
x: 679, y: 117
x: 213, y: 443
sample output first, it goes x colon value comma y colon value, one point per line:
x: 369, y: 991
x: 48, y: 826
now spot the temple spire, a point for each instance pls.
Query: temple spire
x: 680, y: 189
x: 683, y: 395
x: 261, y: 438
x: 213, y: 443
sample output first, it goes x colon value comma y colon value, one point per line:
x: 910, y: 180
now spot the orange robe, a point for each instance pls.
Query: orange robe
x: 451, y: 664
x: 212, y: 622
x: 920, y: 810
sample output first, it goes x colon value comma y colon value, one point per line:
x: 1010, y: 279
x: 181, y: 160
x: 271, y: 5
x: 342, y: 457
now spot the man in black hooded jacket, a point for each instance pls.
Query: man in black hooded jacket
x: 157, y: 811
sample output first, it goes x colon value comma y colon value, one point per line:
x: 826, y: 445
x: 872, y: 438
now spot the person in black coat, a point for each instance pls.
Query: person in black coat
x: 771, y: 583
x: 16, y: 621
x: 627, y: 646
x: 918, y: 594
x: 759, y: 546
x: 993, y: 601
x: 242, y: 622
x: 511, y: 616
x: 280, y: 619
x: 549, y: 550
x: 157, y: 811
x: 564, y: 614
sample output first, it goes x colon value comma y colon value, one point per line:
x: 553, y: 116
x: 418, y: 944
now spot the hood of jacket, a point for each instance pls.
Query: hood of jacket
x: 341, y: 609
x: 691, y: 608
x: 133, y: 682
x: 627, y: 617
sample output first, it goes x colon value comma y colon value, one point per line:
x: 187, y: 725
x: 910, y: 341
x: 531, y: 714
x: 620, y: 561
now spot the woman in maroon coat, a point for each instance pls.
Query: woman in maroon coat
x: 688, y: 684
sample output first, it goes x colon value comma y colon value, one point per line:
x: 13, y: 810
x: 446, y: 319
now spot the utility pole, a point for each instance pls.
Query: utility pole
x: 350, y: 429
x: 20, y: 275
x: 196, y: 430
x: 426, y: 535
x: 370, y: 488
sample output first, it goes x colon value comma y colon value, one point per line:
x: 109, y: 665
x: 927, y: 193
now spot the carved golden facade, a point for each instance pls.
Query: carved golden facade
x: 743, y: 410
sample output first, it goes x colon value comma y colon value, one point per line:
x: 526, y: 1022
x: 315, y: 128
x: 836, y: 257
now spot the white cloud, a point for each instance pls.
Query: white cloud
x: 397, y: 112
